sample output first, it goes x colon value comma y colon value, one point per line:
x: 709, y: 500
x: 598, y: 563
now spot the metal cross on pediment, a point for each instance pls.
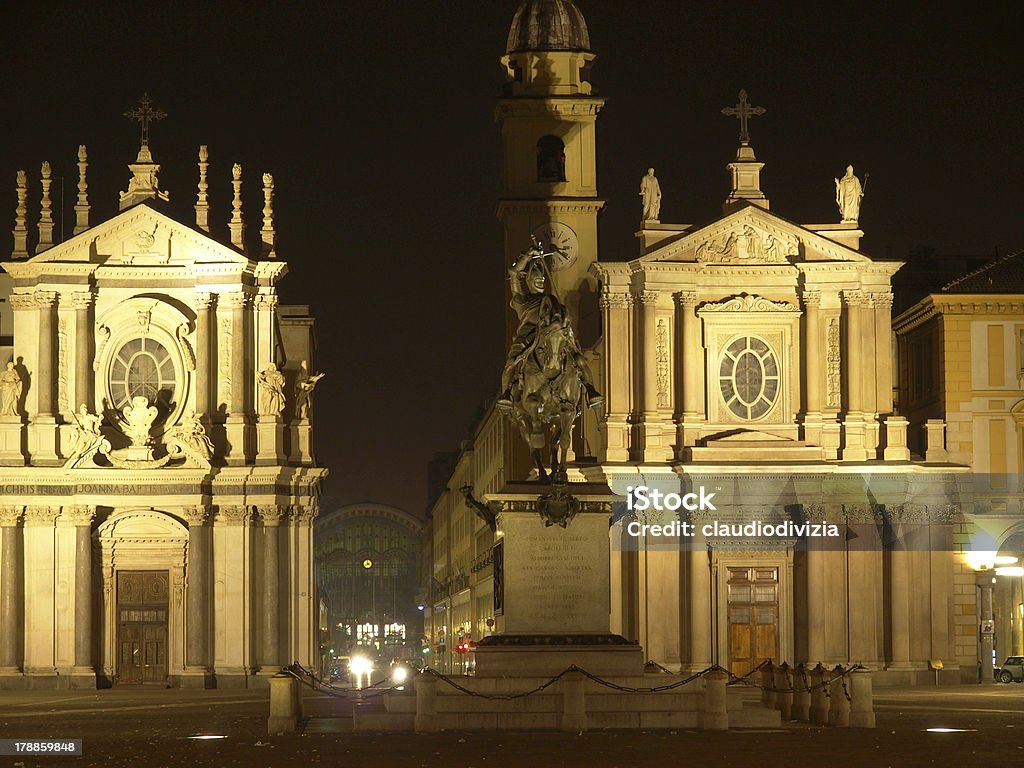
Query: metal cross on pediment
x: 145, y: 115
x: 744, y: 112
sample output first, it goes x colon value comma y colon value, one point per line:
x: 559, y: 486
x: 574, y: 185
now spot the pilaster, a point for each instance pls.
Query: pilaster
x: 618, y: 361
x: 232, y: 595
x: 43, y: 427
x: 11, y: 596
x: 197, y: 672
x: 691, y: 359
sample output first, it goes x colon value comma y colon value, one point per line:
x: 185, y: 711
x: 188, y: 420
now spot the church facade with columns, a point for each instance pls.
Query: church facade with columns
x: 750, y: 355
x: 157, y: 484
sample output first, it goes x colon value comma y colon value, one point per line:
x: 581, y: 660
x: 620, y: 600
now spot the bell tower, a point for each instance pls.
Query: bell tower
x: 548, y: 115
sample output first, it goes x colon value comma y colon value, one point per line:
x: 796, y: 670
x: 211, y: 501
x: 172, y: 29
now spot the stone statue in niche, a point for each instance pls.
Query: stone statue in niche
x: 11, y: 387
x: 305, y: 383
x: 650, y: 196
x: 272, y: 386
x: 849, y: 193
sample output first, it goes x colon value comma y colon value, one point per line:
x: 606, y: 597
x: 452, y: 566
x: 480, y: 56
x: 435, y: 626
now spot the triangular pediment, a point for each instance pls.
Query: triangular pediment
x: 750, y: 236
x: 139, y: 235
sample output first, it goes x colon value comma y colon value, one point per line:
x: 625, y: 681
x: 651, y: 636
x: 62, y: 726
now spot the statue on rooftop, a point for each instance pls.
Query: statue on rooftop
x: 650, y: 195
x: 848, y: 196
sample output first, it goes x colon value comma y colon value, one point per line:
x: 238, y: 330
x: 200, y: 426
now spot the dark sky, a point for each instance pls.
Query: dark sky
x: 376, y: 120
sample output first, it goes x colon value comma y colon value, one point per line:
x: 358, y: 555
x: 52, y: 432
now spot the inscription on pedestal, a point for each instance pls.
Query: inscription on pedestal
x: 555, y: 579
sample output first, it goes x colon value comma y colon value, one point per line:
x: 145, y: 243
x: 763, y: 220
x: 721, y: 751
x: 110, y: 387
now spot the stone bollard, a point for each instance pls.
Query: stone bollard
x: 801, y: 697
x: 862, y: 712
x: 716, y: 715
x: 784, y: 697
x: 284, y: 708
x: 574, y: 705
x: 819, y: 696
x: 838, y: 706
x: 768, y: 697
x: 426, y: 703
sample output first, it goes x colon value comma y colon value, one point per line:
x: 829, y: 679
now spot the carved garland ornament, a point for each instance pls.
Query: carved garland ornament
x: 748, y: 303
x: 833, y: 368
x: 662, y: 363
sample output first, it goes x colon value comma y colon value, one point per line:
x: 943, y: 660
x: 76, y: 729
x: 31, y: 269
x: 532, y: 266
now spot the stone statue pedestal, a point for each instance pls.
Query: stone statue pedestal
x: 11, y: 454
x: 300, y: 448
x: 238, y: 433
x: 269, y: 440
x: 42, y: 441
x: 552, y: 585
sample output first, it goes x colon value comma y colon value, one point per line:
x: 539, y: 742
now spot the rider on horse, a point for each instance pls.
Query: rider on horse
x: 538, y: 309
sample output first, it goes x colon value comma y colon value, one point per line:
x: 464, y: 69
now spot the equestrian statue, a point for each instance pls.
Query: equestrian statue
x: 545, y: 376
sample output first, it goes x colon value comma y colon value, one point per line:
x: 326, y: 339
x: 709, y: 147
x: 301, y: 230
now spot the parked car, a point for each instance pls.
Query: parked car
x: 1011, y: 670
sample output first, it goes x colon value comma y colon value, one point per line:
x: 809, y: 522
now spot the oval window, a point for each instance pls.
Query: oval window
x: 749, y: 377
x: 143, y: 367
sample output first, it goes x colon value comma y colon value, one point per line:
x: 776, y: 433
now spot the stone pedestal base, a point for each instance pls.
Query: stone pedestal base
x: 300, y: 448
x: 546, y: 655
x: 11, y: 679
x: 42, y: 442
x: 237, y: 434
x: 11, y: 439
x: 195, y: 678
x: 855, y: 447
x: 896, y: 439
x: 269, y: 440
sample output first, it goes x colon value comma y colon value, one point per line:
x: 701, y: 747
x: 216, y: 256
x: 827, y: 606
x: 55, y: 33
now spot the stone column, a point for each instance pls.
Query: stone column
x: 883, y: 352
x: 816, y: 606
x: 854, y: 365
x: 700, y: 619
x: 45, y: 379
x: 204, y: 357
x: 82, y: 518
x: 985, y: 581
x: 618, y: 360
x: 1016, y: 598
x: 238, y: 406
x: 900, y: 588
x: 197, y: 597
x: 239, y: 332
x: 83, y: 351
x: 692, y: 361
x: 11, y: 618
x: 271, y: 517
x: 814, y: 350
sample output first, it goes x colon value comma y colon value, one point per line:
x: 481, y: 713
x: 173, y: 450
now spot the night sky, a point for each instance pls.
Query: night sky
x: 376, y: 120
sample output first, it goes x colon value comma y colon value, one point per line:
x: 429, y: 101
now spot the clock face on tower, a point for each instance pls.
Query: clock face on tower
x: 560, y: 239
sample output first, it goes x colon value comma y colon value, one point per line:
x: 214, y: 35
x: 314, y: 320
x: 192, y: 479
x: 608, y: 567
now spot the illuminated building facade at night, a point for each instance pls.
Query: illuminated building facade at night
x: 751, y: 354
x: 157, y: 487
x: 368, y: 566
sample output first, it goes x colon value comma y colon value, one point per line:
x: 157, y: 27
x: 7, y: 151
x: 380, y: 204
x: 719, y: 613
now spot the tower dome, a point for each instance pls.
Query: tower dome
x: 548, y: 25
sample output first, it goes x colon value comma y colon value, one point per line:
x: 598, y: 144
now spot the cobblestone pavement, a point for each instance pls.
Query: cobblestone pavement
x: 152, y: 728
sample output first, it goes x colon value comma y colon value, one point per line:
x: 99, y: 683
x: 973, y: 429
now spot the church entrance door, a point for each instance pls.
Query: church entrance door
x: 753, y: 617
x: 142, y: 627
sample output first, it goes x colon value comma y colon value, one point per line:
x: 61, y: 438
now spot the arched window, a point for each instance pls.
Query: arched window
x: 550, y: 159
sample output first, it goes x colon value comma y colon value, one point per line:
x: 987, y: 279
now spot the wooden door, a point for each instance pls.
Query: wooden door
x: 753, y: 606
x: 142, y: 627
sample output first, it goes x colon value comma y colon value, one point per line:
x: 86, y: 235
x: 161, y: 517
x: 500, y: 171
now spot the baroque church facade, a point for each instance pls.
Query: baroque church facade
x: 158, y: 485
x: 750, y: 355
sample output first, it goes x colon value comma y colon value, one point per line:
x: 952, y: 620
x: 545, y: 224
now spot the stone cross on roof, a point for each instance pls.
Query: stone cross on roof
x: 744, y: 112
x: 145, y: 115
